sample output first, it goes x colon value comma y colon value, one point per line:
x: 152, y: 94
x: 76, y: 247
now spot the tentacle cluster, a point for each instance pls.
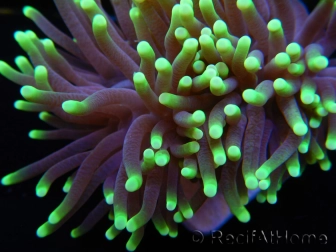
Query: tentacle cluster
x: 180, y: 111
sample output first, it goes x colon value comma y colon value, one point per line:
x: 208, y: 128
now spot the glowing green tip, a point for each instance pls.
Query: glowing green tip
x: 21, y: 105
x: 111, y: 233
x: 307, y: 97
x: 166, y: 99
x: 220, y: 29
x: 178, y: 218
x: 44, y: 115
x: 190, y: 45
x: 74, y: 107
x: 41, y: 191
x: 262, y: 173
x: 330, y: 106
x: 41, y: 73
x: 109, y: 198
x: 217, y: 86
x: 120, y: 221
x: 156, y: 142
x: 206, y: 31
x: 31, y: 34
x: 294, y: 171
x: 145, y: 50
x: 148, y: 154
x: 43, y: 230
x: 321, y: 111
x: 49, y: 47
x: 274, y: 25
x: 24, y: 65
x: 325, y: 164
x: 252, y: 64
x: 3, y: 66
x: 294, y: 51
x: 215, y: 131
x: 133, y: 183
x: 223, y: 70
x: 131, y: 225
x: 197, y: 133
x: 172, y: 233
x: 188, y: 213
x: 264, y: 184
x: 162, y: 157
x: 271, y: 198
x: 198, y: 116
x: 192, y: 147
x: 87, y: 4
x: 254, y: 97
x: 234, y: 153
x: 67, y: 185
x: 244, y: 4
x: 232, y: 110
x: 75, y: 233
x: 300, y: 129
x: 7, y: 180
x: 188, y: 173
x: 170, y: 100
x: 224, y: 45
x: 29, y: 92
x: 29, y: 11
x: 181, y: 34
x: 220, y: 158
x: 163, y: 65
x: 261, y: 198
x: 164, y: 231
x: 23, y: 40
x: 36, y: 134
x: 210, y: 189
x: 251, y: 182
x: 243, y: 216
x: 131, y: 246
x: 315, y: 122
x: 54, y: 218
x: 331, y: 142
x: 205, y: 40
x: 282, y: 60
x: 99, y: 23
x: 198, y: 66
x: 296, y: 69
x: 303, y: 147
x: 171, y: 205
x: 282, y: 87
x: 185, y: 83
x: 140, y: 82
x: 318, y: 63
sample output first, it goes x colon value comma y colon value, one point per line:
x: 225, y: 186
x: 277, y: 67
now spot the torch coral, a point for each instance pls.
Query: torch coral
x: 181, y: 110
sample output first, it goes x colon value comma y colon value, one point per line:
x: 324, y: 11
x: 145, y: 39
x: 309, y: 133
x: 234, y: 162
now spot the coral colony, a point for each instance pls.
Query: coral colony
x: 180, y: 110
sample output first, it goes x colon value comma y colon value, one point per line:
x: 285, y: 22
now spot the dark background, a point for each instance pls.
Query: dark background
x: 306, y: 205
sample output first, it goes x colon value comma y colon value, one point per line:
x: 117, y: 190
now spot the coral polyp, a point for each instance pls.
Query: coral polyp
x: 182, y: 111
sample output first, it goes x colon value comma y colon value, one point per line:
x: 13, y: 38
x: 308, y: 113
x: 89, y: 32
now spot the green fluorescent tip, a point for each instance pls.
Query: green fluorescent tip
x: 43, y: 230
x: 210, y: 189
x: 133, y: 183
x: 7, y: 180
x: 54, y: 218
x: 120, y: 221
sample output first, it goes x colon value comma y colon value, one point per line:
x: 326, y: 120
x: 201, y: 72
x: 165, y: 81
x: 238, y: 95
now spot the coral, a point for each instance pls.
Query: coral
x: 182, y: 112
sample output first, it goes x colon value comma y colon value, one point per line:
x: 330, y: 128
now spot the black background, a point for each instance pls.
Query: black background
x: 306, y: 205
